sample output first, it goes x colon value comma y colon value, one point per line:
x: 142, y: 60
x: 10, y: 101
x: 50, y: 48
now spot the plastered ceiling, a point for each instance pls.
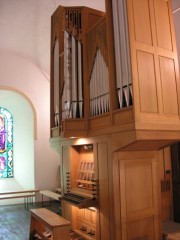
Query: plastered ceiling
x: 25, y: 27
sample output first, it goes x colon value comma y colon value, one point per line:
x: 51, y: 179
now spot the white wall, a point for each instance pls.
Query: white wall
x: 23, y: 144
x: 96, y: 4
x: 23, y: 76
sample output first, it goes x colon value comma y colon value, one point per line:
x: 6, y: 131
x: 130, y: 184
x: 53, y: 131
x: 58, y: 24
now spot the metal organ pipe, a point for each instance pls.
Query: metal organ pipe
x: 99, y: 86
x: 106, y: 86
x: 95, y: 90
x: 80, y: 79
x: 74, y: 77
x: 66, y: 96
x: 72, y: 96
x: 122, y: 54
x: 56, y: 83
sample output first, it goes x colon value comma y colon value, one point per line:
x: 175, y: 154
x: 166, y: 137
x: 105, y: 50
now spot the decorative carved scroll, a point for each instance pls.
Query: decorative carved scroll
x: 73, y: 22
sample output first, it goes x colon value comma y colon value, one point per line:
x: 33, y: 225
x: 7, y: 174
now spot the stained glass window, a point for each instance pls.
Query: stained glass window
x: 6, y: 144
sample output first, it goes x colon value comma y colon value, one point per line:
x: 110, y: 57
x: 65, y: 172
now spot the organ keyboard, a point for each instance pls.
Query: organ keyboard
x: 80, y: 201
x: 83, y: 191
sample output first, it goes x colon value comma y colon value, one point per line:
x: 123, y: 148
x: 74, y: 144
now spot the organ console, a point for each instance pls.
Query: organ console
x: 82, y: 191
x: 112, y: 118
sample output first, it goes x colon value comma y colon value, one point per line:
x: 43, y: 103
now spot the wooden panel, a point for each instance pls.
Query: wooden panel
x: 138, y: 193
x: 90, y: 17
x: 163, y: 24
x: 74, y: 124
x: 142, y: 22
x: 142, y: 229
x: 86, y: 218
x: 155, y: 71
x: 66, y: 211
x: 117, y: 196
x: 102, y: 121
x: 138, y: 176
x: 123, y: 116
x: 73, y: 128
x: 166, y: 183
x: 147, y: 145
x: 86, y: 155
x: 168, y: 82
x: 102, y: 152
x: 147, y: 82
x: 87, y: 215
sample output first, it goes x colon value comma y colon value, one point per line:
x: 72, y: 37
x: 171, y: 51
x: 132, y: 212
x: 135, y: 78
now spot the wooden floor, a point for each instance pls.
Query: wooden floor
x: 15, y: 220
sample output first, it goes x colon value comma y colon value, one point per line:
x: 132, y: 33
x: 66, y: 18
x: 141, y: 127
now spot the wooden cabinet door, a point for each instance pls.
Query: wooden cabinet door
x: 136, y: 196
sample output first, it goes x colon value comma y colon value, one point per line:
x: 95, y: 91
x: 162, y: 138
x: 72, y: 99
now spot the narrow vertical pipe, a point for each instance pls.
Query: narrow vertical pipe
x: 74, y: 77
x: 80, y: 87
x: 66, y: 103
x: 56, y: 83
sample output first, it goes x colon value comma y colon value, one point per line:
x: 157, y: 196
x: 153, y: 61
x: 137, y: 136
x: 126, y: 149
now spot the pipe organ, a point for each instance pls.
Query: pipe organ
x: 72, y: 97
x: 69, y: 87
x: 115, y: 110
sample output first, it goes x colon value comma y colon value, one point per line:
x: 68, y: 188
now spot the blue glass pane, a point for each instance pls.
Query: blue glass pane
x: 6, y: 144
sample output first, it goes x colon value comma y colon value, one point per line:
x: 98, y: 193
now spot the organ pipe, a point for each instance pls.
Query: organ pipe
x: 74, y: 77
x: 122, y: 54
x: 80, y: 79
x: 56, y: 83
x: 72, y: 96
x: 99, y: 86
x: 66, y: 98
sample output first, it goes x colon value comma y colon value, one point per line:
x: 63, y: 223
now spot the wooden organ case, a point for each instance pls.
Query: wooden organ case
x: 115, y: 110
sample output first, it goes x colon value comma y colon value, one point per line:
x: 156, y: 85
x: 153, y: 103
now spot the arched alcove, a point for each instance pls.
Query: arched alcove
x: 23, y: 130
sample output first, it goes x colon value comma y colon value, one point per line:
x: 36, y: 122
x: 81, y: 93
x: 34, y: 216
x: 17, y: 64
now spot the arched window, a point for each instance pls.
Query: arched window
x: 6, y: 144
